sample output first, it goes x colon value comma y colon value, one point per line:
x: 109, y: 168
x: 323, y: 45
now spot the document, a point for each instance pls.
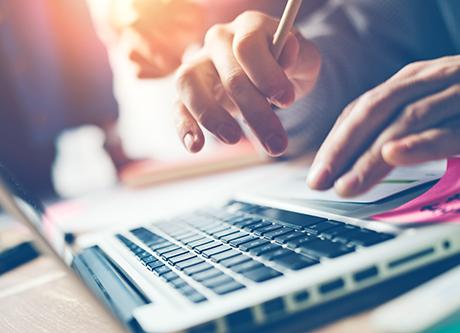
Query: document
x: 439, y: 204
x: 294, y: 186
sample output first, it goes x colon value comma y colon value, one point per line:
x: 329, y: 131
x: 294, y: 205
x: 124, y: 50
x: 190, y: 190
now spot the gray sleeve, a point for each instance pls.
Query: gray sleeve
x: 362, y: 43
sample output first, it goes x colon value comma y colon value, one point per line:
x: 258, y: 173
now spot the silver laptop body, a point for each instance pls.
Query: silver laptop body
x: 244, y: 265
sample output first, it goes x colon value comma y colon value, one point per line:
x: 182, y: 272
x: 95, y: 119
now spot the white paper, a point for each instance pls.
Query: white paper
x: 402, y: 178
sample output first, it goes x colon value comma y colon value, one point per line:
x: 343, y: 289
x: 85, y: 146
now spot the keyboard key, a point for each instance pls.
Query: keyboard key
x: 364, y: 237
x: 339, y: 230
x: 277, y: 233
x: 295, y: 261
x: 238, y: 234
x: 206, y: 275
x: 186, y: 290
x: 137, y: 250
x: 247, y: 223
x: 142, y: 254
x: 235, y: 261
x: 200, y: 242
x: 226, y: 232
x: 246, y: 266
x: 276, y: 254
x: 176, y: 259
x: 174, y: 253
x: 225, y: 255
x: 196, y: 297
x: 147, y: 258
x: 197, y: 268
x: 294, y: 219
x: 264, y: 230
x: 217, y: 281
x: 261, y: 274
x: 289, y: 237
x: 159, y: 271
x: 187, y: 263
x: 160, y: 246
x: 170, y: 276
x: 324, y: 248
x: 253, y: 244
x: 293, y: 244
x: 154, y: 264
x: 192, y: 238
x: 186, y: 235
x: 207, y: 246
x: 167, y: 249
x: 178, y: 283
x: 239, y: 241
x: 227, y: 288
x: 238, y: 219
x: 180, y: 233
x: 259, y: 250
x: 318, y: 228
x: 216, y: 229
x: 256, y: 226
x: 216, y: 250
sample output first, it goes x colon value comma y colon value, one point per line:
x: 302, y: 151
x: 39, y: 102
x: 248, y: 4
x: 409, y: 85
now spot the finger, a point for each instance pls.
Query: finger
x: 429, y: 145
x: 301, y: 62
x: 187, y: 128
x: 146, y: 69
x: 193, y: 82
x: 428, y: 112
x: 369, y: 115
x: 251, y: 47
x: 366, y: 172
x: 252, y: 104
x: 423, y: 114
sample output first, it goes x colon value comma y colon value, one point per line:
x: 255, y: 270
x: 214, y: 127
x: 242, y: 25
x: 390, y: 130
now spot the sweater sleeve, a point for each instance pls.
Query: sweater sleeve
x: 362, y: 43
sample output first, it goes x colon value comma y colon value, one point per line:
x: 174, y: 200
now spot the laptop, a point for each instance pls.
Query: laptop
x: 242, y: 266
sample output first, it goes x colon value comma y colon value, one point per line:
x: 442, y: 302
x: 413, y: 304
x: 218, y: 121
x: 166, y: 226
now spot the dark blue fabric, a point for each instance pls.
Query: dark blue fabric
x: 363, y: 43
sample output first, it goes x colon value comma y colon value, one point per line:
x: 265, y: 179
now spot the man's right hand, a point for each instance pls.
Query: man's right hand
x: 235, y: 73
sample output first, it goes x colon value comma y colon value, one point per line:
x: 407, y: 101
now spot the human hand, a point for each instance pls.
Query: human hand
x: 156, y: 33
x: 412, y: 118
x: 235, y: 74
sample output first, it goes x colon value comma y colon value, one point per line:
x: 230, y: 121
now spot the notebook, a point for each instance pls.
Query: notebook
x: 243, y: 266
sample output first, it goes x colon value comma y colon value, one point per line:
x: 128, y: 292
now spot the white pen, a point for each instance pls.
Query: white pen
x: 286, y: 22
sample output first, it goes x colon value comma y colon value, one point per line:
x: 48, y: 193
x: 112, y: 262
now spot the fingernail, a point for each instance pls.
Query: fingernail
x: 348, y: 184
x: 275, y: 144
x: 318, y: 177
x: 188, y: 141
x: 226, y: 133
x: 283, y: 99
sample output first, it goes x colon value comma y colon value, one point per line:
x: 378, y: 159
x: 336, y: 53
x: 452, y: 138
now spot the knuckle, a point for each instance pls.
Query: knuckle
x: 370, y: 102
x: 235, y: 83
x: 216, y: 32
x: 243, y: 43
x: 184, y: 74
x: 412, y: 114
x: 412, y: 68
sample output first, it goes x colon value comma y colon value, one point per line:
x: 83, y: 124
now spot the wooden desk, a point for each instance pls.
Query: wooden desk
x: 40, y: 297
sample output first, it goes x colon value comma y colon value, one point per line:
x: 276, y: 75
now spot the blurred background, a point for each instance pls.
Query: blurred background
x: 86, y: 86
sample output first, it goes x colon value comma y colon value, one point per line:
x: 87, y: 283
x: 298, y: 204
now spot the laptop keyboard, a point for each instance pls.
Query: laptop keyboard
x: 257, y: 243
